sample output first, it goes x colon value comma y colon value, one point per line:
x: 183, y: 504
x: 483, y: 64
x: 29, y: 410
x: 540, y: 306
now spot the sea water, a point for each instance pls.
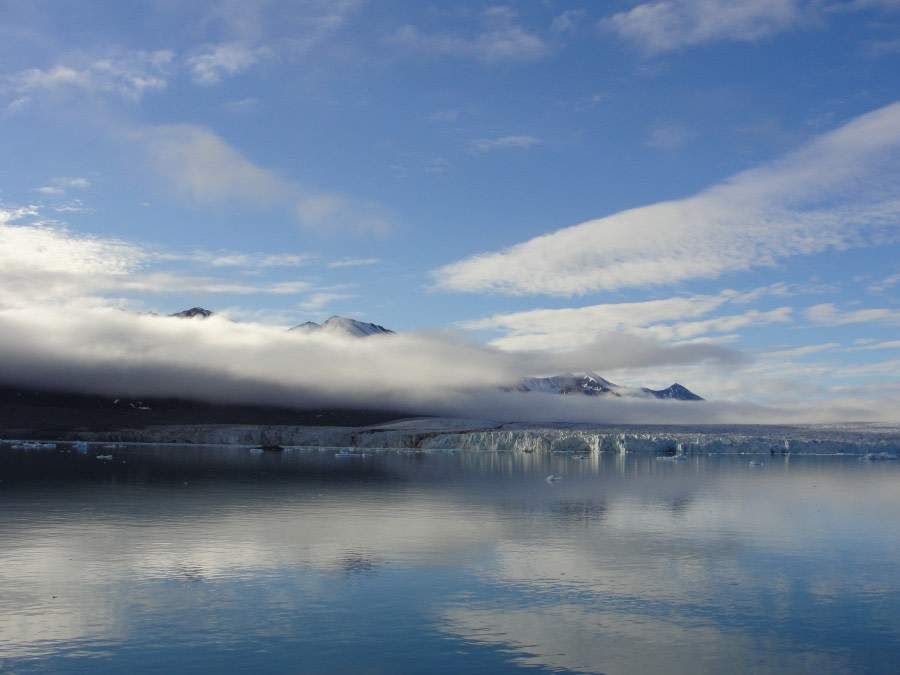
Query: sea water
x: 195, y: 559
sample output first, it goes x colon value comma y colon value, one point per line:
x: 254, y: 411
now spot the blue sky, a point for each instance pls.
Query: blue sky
x: 691, y: 190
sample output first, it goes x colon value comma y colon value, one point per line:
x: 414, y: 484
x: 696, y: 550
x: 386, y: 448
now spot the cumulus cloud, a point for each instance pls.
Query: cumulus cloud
x: 836, y: 192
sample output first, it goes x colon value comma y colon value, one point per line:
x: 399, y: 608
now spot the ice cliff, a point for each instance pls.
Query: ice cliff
x: 467, y: 435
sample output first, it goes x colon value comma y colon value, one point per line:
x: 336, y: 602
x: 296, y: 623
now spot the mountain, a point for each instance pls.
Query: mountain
x: 591, y: 384
x: 343, y: 326
x: 194, y: 313
x: 675, y: 391
x: 588, y: 384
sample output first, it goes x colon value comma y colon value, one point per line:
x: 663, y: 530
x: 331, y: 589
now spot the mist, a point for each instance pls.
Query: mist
x: 106, y: 351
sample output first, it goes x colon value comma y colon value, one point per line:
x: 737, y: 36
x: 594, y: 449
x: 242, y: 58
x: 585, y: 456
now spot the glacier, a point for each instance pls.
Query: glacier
x: 440, y: 434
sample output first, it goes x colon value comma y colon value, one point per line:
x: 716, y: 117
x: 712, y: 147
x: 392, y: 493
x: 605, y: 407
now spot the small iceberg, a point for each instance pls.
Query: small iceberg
x: 105, y: 457
x: 755, y: 462
x: 34, y: 445
x: 553, y: 479
x: 878, y: 457
x: 347, y: 453
x: 80, y: 446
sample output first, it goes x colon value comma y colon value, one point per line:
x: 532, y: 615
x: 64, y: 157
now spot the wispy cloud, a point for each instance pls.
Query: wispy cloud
x: 829, y: 315
x: 668, y: 320
x: 211, y: 63
x: 318, y: 301
x: 838, y: 191
x: 39, y: 263
x: 354, y: 262
x: 504, y: 143
x: 129, y: 74
x: 672, y: 24
x: 500, y: 38
x: 42, y: 263
x: 199, y: 165
x: 668, y: 136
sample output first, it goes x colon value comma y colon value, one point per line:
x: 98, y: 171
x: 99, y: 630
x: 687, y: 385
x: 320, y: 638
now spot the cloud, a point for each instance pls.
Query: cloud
x: 502, y: 39
x: 836, y: 192
x: 504, y: 143
x: 211, y: 63
x: 203, y: 167
x: 318, y: 301
x: 129, y: 74
x: 674, y: 24
x: 829, y: 315
x: 109, y: 351
x: 639, y: 335
x: 568, y: 328
x: 200, y: 166
x: 354, y: 262
x: 42, y: 263
x: 668, y: 136
x: 39, y: 263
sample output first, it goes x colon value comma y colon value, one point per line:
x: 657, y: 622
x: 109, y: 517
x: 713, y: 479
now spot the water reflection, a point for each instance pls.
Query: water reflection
x: 300, y: 561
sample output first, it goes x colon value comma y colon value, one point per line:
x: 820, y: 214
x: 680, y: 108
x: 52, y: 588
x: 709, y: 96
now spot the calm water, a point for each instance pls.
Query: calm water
x: 197, y: 559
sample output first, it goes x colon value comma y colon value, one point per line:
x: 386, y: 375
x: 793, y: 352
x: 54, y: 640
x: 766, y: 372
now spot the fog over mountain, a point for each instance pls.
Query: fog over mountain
x: 118, y: 353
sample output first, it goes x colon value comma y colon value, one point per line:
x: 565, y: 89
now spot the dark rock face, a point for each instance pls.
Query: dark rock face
x: 194, y: 313
x: 675, y: 391
x: 29, y: 413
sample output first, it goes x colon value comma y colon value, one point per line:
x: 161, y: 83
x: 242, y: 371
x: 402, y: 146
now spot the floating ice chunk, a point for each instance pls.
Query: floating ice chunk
x: 755, y: 462
x: 105, y: 457
x: 80, y: 446
x: 256, y: 451
x: 878, y: 457
x: 553, y: 479
x: 347, y: 453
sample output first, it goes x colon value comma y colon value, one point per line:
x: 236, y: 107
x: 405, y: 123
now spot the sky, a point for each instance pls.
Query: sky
x: 697, y: 191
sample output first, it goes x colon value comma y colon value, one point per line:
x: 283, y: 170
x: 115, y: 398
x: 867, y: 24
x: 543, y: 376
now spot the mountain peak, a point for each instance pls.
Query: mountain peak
x: 194, y: 313
x: 344, y: 326
x: 591, y: 384
x: 675, y: 391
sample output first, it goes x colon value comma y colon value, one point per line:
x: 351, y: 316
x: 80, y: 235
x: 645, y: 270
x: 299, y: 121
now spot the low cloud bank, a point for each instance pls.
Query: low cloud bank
x: 112, y: 352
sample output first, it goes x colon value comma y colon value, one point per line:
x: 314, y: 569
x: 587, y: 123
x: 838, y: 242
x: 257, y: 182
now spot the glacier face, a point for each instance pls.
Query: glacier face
x: 432, y: 434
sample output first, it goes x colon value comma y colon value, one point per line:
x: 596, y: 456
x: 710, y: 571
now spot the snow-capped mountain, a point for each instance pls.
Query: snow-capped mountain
x: 344, y: 326
x: 588, y: 384
x: 591, y: 384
